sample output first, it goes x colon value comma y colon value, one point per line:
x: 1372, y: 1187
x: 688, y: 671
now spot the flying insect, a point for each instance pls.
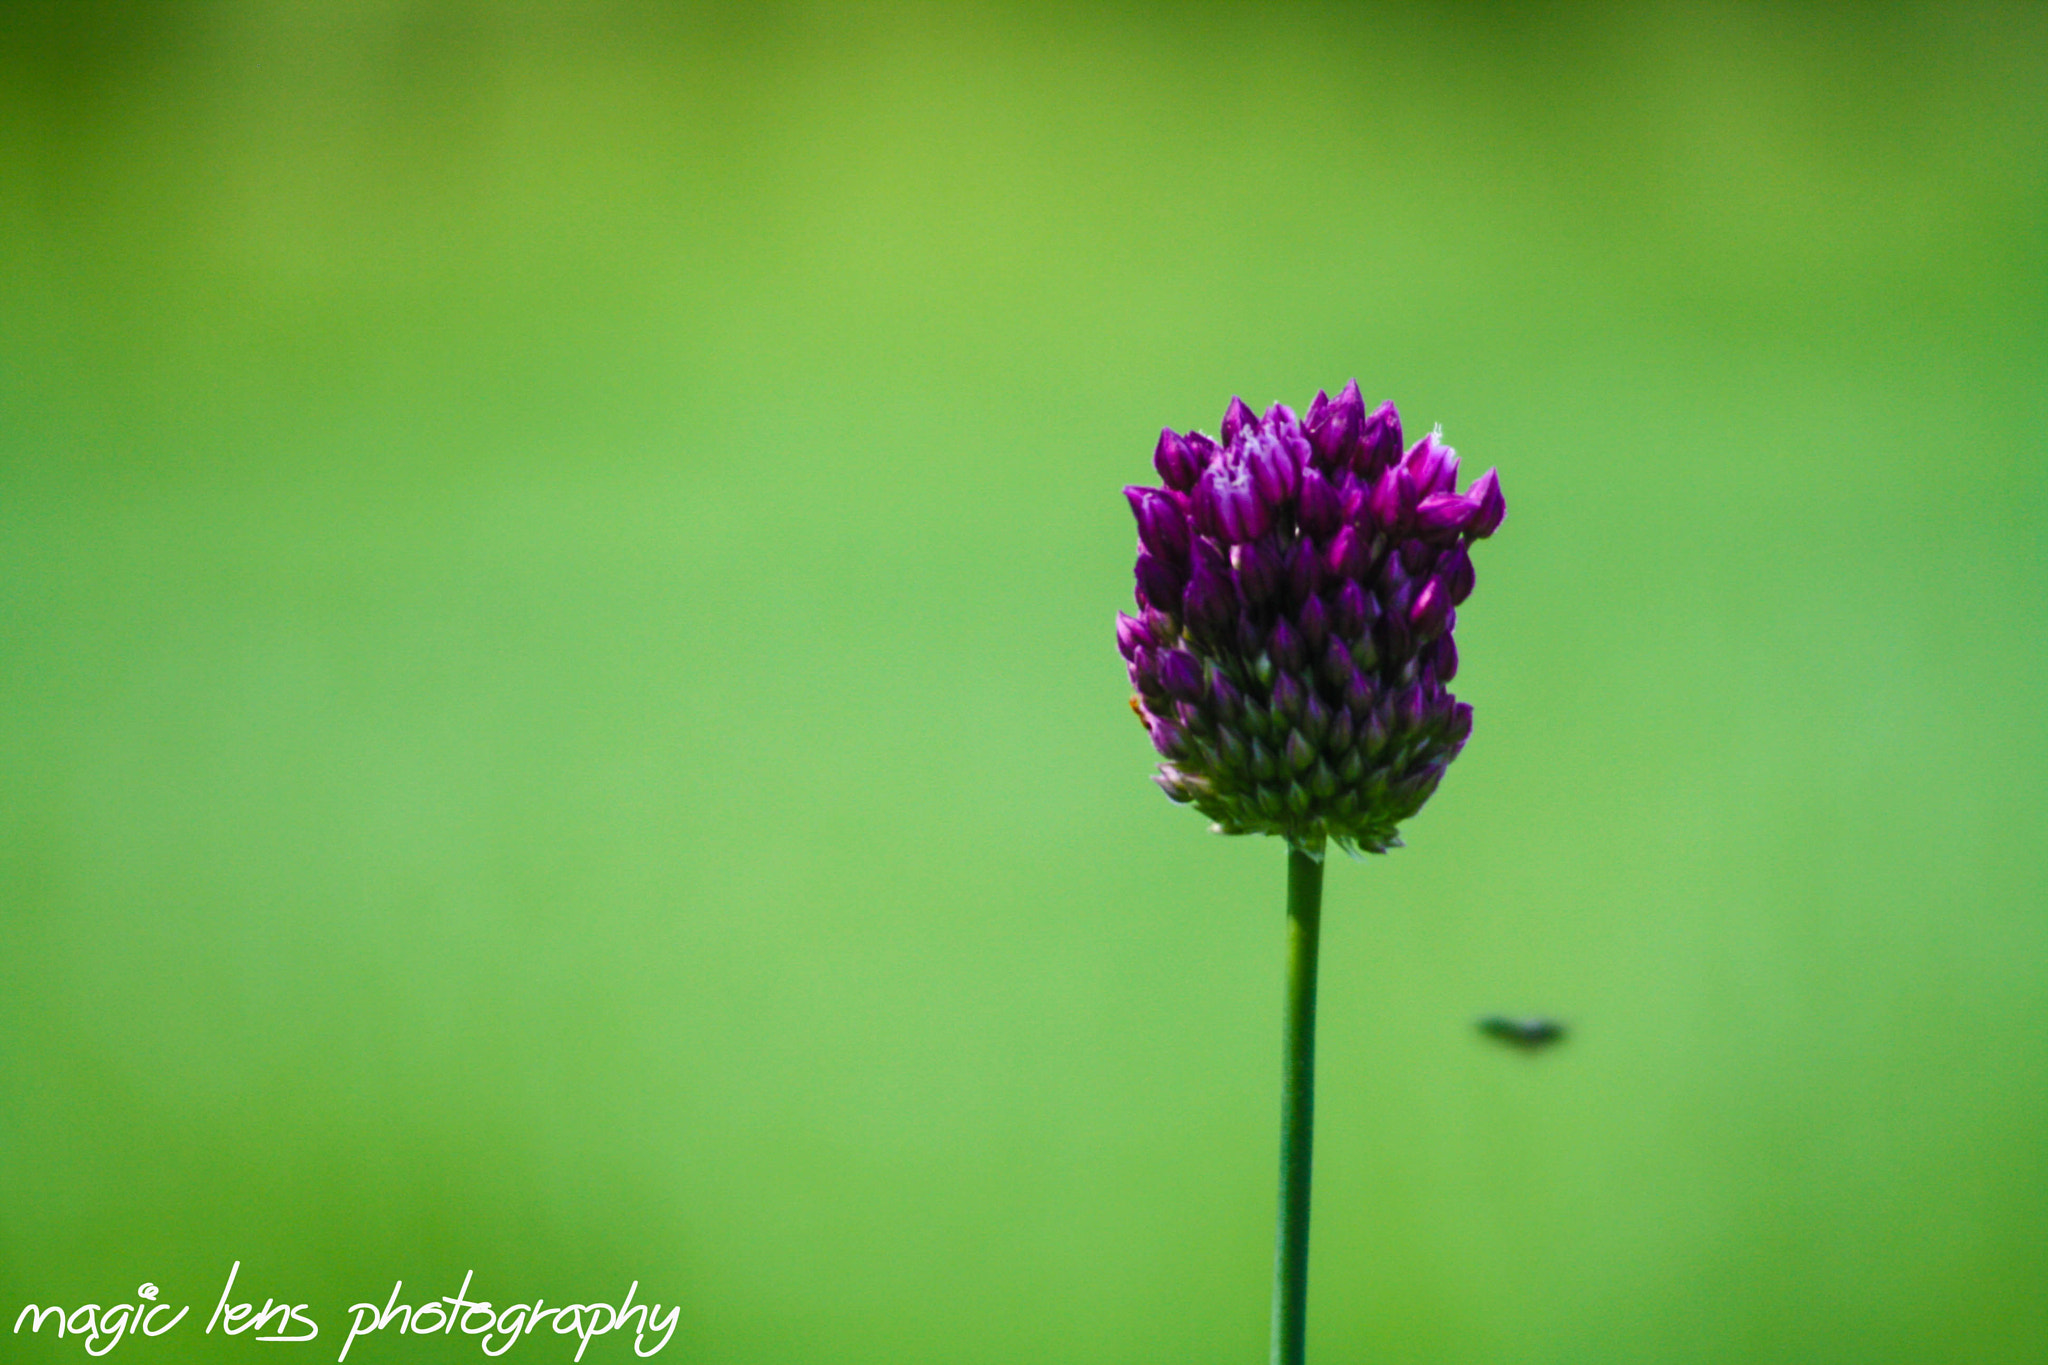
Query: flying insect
x: 1530, y: 1035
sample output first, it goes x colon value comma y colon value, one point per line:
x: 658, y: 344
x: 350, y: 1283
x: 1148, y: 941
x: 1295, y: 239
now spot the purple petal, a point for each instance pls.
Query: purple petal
x: 1285, y: 430
x: 1315, y: 719
x: 1144, y: 672
x: 1460, y: 728
x: 1258, y: 570
x: 1431, y: 466
x: 1346, y: 557
x: 1209, y: 602
x: 1224, y: 698
x: 1455, y: 568
x: 1321, y: 512
x: 1176, y: 463
x: 1169, y: 739
x: 1274, y: 472
x: 1288, y: 696
x: 1396, y: 588
x: 1304, y: 570
x: 1411, y: 708
x: 1181, y: 676
x: 1373, y: 735
x: 1235, y: 509
x: 1337, y: 665
x: 1432, y: 610
x: 1360, y: 694
x: 1236, y: 418
x: 1350, y: 616
x: 1333, y: 430
x: 1392, y: 498
x: 1161, y: 525
x: 1379, y: 442
x: 1159, y: 583
x: 1286, y: 646
x: 1131, y: 635
x: 1492, y: 506
x: 1444, y: 514
x: 1250, y: 639
x: 1313, y: 620
x: 1445, y: 662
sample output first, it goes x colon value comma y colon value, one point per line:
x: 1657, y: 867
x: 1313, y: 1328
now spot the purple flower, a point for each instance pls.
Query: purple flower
x: 1298, y: 587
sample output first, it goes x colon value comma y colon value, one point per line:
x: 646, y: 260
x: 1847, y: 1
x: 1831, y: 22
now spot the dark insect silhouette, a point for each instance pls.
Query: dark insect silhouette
x: 1531, y: 1035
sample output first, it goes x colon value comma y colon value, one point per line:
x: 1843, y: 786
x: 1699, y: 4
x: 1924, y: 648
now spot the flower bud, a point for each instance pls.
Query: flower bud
x: 1338, y: 738
x: 1315, y: 720
x: 1360, y: 694
x: 1444, y: 660
x: 1288, y: 696
x: 1177, y: 464
x: 1273, y: 469
x: 1224, y: 698
x: 1320, y: 511
x: 1231, y: 749
x: 1297, y: 588
x: 1258, y: 570
x: 1209, y: 602
x: 1159, y: 583
x: 1162, y: 527
x: 1236, y: 418
x: 1286, y: 646
x: 1444, y: 514
x: 1431, y: 466
x: 1130, y: 634
x: 1379, y: 442
x: 1181, y: 676
x: 1460, y: 728
x: 1337, y: 666
x: 1346, y: 557
x: 1333, y: 426
x: 1313, y: 621
x: 1455, y: 568
x: 1492, y: 506
x: 1304, y: 570
x: 1227, y: 506
x: 1144, y: 671
x: 1432, y: 610
x: 1410, y: 709
x: 1392, y: 499
x: 1169, y: 739
x: 1347, y: 615
x: 1373, y: 736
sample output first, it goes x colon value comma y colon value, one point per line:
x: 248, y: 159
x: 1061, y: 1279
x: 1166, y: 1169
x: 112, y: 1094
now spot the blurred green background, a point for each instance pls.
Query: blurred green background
x: 558, y: 714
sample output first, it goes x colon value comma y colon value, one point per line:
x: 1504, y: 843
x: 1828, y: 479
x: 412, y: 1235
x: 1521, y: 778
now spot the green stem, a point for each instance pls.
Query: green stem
x: 1297, y: 1106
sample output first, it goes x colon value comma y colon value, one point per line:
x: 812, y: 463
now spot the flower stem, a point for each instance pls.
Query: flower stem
x: 1297, y: 1105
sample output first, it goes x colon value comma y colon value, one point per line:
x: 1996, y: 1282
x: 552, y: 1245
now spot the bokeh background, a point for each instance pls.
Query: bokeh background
x: 558, y: 715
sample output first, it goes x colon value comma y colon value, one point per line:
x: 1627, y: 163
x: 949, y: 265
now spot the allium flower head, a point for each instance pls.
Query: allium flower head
x: 1297, y: 589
